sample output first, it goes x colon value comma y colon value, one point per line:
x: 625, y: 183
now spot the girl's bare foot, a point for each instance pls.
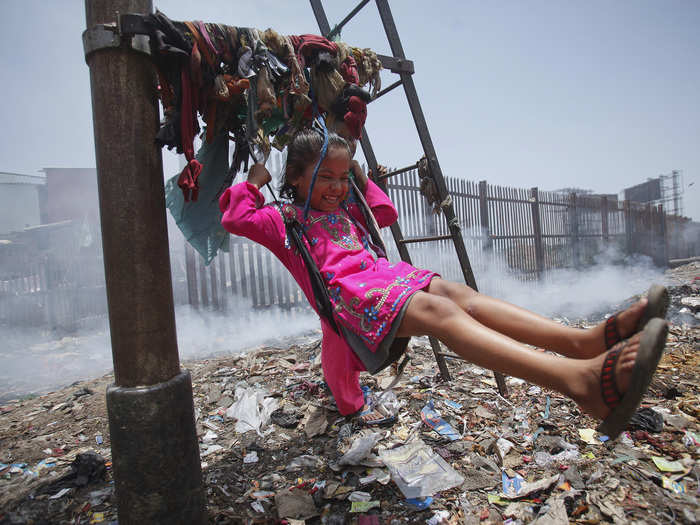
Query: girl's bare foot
x: 625, y: 324
x: 586, y: 388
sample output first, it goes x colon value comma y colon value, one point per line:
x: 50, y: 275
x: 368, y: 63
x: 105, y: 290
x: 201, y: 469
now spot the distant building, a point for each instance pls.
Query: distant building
x: 71, y: 195
x: 21, y: 199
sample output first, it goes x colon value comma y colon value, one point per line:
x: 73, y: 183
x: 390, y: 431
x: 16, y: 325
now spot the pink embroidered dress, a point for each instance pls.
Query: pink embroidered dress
x: 367, y: 292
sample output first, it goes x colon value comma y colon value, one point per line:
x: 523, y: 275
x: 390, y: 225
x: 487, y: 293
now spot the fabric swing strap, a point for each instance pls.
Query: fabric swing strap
x: 295, y: 233
x: 324, y: 149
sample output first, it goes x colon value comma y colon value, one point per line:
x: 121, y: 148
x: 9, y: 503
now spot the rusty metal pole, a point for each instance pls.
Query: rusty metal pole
x: 155, y: 453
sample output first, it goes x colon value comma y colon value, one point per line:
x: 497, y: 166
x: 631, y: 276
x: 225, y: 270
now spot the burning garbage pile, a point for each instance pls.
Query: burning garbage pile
x: 274, y: 449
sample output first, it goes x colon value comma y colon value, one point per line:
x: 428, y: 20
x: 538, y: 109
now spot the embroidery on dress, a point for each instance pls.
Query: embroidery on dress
x: 338, y: 225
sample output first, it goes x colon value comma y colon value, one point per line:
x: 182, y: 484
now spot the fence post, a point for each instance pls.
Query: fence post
x: 628, y: 226
x: 214, y: 286
x: 604, y: 219
x: 203, y: 281
x: 537, y: 228
x: 573, y: 211
x: 191, y: 270
x: 484, y: 213
x: 222, y: 280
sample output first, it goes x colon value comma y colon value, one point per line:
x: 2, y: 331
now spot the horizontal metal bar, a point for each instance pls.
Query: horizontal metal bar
x: 386, y: 90
x: 396, y: 172
x: 413, y: 240
x: 397, y: 65
x: 502, y: 237
x: 133, y: 24
x: 506, y: 199
x: 338, y: 27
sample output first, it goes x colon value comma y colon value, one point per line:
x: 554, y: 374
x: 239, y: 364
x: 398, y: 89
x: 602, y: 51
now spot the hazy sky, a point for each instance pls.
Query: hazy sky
x: 595, y: 94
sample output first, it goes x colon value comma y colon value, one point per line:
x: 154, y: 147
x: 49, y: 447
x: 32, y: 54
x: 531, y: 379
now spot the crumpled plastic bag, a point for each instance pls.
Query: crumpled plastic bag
x: 647, y: 419
x: 252, y: 409
x: 418, y: 471
x: 361, y: 447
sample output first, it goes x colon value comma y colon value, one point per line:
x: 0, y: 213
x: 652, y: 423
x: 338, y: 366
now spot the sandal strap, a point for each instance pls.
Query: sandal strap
x: 608, y: 385
x: 612, y: 334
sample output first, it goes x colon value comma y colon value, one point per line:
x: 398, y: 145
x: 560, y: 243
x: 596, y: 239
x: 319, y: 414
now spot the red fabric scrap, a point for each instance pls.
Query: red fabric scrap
x: 356, y: 116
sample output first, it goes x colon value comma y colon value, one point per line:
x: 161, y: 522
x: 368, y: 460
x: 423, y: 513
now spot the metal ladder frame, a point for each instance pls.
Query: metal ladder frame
x: 404, y: 68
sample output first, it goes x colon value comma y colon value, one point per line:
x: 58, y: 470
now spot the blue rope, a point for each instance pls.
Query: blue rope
x: 324, y: 150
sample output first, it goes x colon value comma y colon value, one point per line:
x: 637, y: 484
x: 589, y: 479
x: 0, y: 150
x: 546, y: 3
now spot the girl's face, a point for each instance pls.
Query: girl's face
x: 332, y: 182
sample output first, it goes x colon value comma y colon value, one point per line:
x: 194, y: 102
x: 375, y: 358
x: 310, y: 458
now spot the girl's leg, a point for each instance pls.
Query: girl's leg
x: 579, y: 379
x: 531, y: 328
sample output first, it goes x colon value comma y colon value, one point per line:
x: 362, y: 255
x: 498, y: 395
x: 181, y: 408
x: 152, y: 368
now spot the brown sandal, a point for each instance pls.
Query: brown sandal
x: 623, y: 406
x: 657, y: 305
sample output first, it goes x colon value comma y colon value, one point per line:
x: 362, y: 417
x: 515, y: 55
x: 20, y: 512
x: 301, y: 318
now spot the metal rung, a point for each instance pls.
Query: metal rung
x: 337, y: 28
x: 386, y: 90
x: 426, y: 239
x: 397, y: 65
x: 396, y: 172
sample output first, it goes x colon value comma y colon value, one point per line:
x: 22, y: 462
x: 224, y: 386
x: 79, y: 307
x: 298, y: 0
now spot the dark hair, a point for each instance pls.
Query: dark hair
x: 304, y: 149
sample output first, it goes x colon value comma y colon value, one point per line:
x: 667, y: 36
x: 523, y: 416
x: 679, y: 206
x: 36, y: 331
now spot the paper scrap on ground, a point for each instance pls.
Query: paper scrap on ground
x: 434, y: 420
x: 667, y: 466
x: 587, y: 435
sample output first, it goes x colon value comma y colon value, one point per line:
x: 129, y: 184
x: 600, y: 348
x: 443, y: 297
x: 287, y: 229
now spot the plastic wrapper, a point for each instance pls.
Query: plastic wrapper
x: 252, y: 409
x: 418, y: 471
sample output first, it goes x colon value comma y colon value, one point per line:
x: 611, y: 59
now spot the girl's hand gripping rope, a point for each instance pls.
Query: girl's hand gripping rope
x: 258, y: 175
x: 359, y: 174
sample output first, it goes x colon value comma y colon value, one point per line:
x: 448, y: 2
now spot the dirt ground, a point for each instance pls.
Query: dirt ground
x: 530, y: 457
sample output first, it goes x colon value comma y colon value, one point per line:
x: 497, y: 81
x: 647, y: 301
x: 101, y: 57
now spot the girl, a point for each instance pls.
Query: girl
x: 378, y: 305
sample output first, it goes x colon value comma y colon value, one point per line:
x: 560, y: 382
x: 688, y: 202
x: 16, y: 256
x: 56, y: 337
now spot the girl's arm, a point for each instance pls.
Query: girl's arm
x: 382, y: 207
x: 244, y: 214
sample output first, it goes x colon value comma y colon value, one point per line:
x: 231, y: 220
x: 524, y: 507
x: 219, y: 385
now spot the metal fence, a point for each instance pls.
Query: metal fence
x: 521, y: 232
x: 50, y: 280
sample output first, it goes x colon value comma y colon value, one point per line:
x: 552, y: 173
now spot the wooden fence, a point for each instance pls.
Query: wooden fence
x: 49, y: 280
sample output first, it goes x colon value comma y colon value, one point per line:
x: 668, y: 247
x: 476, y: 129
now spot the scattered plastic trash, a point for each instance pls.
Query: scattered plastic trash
x: 418, y: 471
x: 211, y: 449
x: 511, y: 487
x: 284, y: 419
x: 305, y: 461
x: 387, y: 403
x: 647, y: 419
x: 587, y: 435
x: 523, y: 488
x: 523, y: 439
x: 675, y: 486
x: 665, y: 465
x: 98, y: 439
x: 209, y: 436
x: 358, y: 495
x: 60, y: 493
x: 440, y: 516
x: 251, y: 457
x: 691, y: 439
x: 360, y: 448
x: 419, y: 503
x: 452, y: 404
x: 363, y: 506
x: 503, y: 446
x: 434, y: 420
x: 252, y: 409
